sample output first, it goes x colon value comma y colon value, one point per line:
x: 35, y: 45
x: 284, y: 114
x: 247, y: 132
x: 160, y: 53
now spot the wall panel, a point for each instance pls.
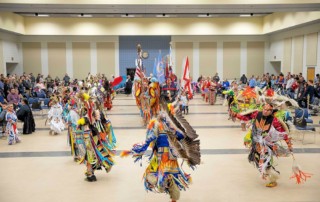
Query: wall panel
x: 106, y: 58
x: 57, y: 64
x: 81, y: 59
x: 298, y: 54
x: 231, y: 60
x: 255, y: 58
x: 312, y: 45
x: 287, y: 53
x: 183, y: 49
x: 207, y: 58
x: 31, y: 57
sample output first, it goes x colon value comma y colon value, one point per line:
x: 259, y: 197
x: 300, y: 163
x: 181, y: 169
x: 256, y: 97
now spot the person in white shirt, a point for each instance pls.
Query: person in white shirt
x: 289, y: 89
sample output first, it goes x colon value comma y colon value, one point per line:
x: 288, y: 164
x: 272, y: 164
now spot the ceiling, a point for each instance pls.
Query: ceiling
x: 145, y: 11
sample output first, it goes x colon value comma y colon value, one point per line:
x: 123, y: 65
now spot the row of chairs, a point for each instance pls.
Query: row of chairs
x: 301, y: 121
x: 39, y: 104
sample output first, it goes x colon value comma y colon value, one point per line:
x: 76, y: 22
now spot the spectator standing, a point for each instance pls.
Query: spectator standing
x: 243, y: 79
x: 66, y: 80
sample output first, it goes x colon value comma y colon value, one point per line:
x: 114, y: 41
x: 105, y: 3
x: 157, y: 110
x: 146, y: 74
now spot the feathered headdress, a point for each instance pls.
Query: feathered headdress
x: 83, y: 96
x: 249, y: 93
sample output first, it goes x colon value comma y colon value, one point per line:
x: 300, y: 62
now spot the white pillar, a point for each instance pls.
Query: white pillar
x: 243, y: 58
x: 304, y: 58
x: 44, y: 59
x: 317, y: 69
x: 220, y: 59
x: 117, y: 67
x: 20, y: 52
x: 69, y: 59
x: 196, y: 61
x: 93, y: 57
x: 292, y: 56
x: 266, y: 57
x: 173, y: 54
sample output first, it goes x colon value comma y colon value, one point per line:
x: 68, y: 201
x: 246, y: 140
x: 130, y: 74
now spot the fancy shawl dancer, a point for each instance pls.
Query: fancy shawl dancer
x: 95, y: 138
x: 55, y: 117
x: 170, y: 136
x: 72, y: 121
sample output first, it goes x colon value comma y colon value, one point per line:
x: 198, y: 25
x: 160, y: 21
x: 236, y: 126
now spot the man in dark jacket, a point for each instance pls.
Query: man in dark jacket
x: 243, y: 79
x: 25, y: 114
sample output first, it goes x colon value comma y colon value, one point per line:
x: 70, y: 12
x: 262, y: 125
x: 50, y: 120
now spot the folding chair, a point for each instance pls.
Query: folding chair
x: 302, y: 130
x: 36, y: 106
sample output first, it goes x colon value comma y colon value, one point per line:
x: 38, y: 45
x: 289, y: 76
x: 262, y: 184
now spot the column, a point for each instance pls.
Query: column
x: 93, y: 58
x: 69, y: 59
x: 196, y: 62
x: 304, y: 58
x: 220, y: 59
x: 243, y: 58
x: 117, y: 67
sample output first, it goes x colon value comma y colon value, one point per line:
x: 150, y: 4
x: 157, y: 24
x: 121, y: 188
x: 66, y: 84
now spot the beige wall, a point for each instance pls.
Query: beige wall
x: 143, y: 26
x: 298, y: 54
x: 312, y: 45
x: 287, y: 52
x: 207, y: 58
x: 12, y: 22
x: 106, y: 58
x: 231, y: 60
x: 31, y: 57
x: 2, y: 65
x: 57, y: 59
x: 255, y: 57
x: 282, y: 20
x: 183, y: 49
x: 81, y: 59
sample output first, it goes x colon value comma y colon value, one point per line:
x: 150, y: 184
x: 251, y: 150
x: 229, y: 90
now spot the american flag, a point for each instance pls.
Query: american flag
x: 139, y: 74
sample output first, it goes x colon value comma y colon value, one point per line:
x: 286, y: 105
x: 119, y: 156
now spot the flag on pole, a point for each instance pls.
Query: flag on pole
x: 138, y: 74
x: 170, y: 56
x: 158, y: 69
x: 186, y: 81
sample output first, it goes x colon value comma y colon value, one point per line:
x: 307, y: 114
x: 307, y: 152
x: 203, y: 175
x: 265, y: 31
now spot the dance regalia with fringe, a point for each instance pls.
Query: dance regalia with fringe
x: 55, y: 117
x: 95, y: 138
x: 163, y: 173
x: 11, y: 128
x: 72, y: 120
x: 264, y: 141
x: 212, y: 94
x: 96, y: 144
x: 163, y: 169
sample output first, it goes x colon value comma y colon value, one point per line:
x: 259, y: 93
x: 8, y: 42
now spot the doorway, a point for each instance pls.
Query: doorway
x: 131, y: 72
x: 310, y: 73
x: 275, y: 68
x: 12, y: 68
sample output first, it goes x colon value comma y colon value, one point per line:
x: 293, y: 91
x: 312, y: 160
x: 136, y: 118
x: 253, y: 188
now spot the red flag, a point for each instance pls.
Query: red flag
x: 185, y: 81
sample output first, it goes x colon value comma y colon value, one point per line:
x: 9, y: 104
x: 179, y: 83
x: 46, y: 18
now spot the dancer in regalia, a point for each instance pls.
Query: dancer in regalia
x: 170, y: 136
x: 95, y: 138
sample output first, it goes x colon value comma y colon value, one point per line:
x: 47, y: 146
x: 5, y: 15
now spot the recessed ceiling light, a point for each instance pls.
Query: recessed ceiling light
x: 127, y: 15
x: 163, y: 16
x: 204, y: 15
x: 41, y: 15
x: 245, y: 15
x: 85, y: 15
